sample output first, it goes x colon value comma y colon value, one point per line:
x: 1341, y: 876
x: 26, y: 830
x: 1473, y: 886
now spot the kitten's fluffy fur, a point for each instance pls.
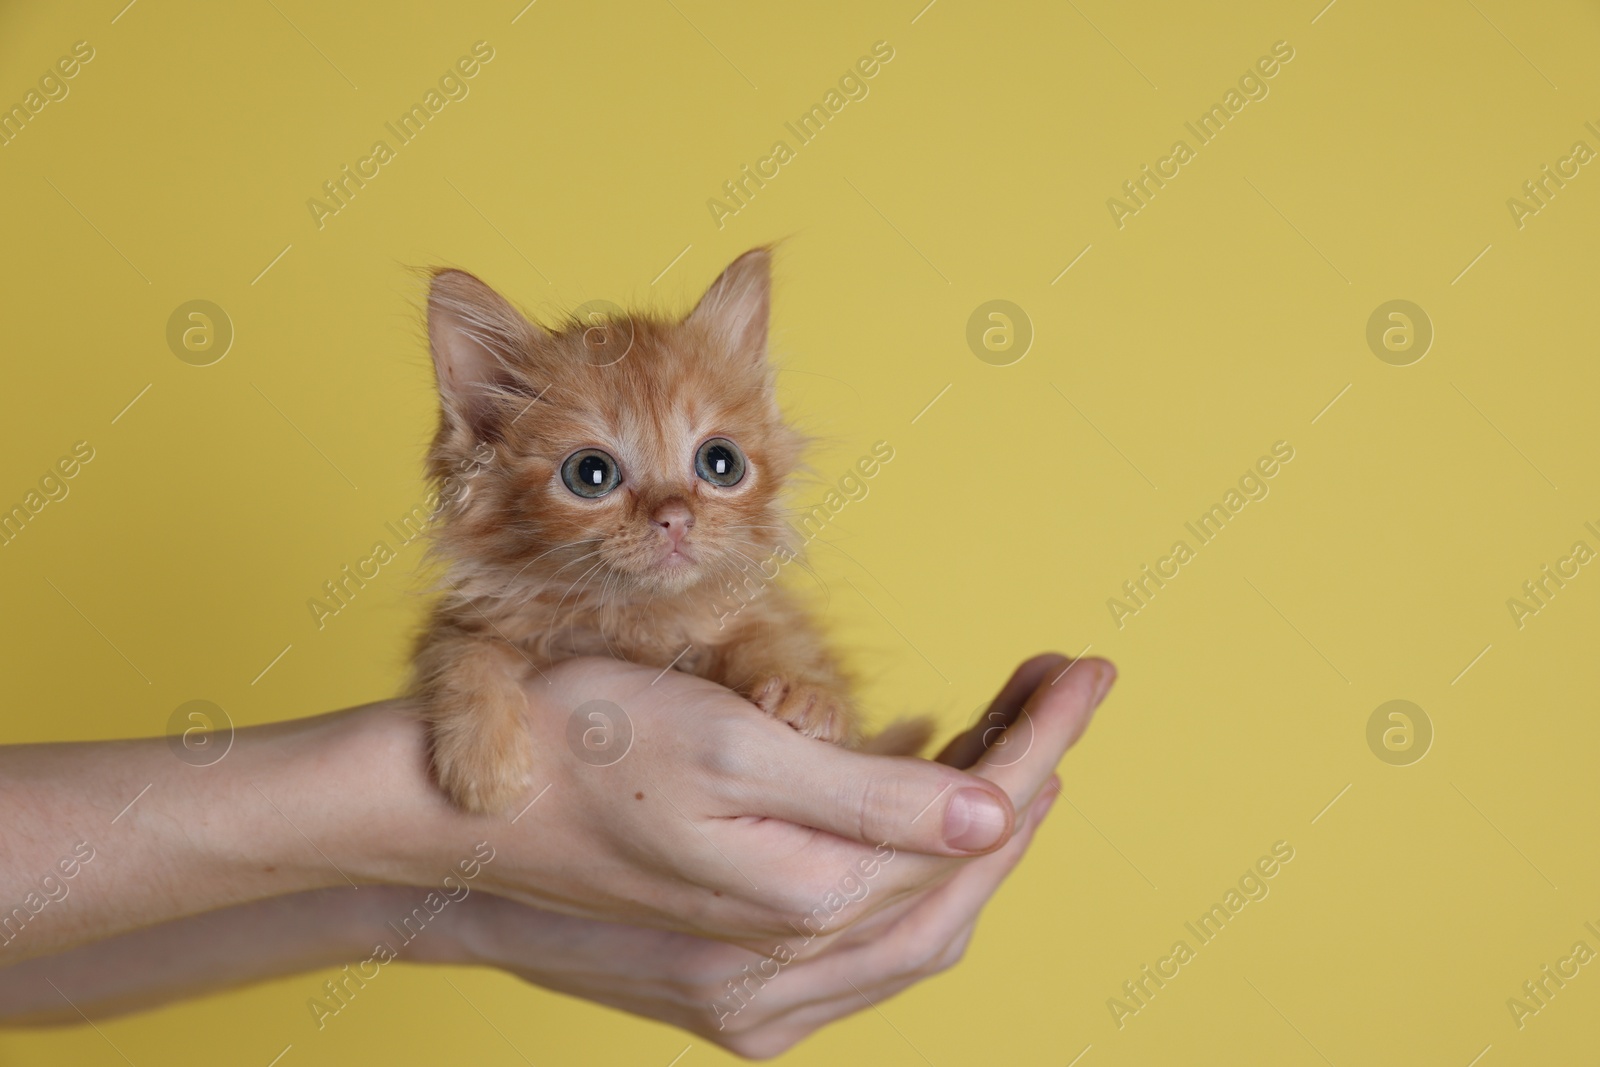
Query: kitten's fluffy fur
x: 537, y: 574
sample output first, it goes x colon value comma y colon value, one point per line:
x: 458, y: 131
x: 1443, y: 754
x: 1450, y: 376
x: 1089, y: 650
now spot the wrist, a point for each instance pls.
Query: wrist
x: 355, y: 817
x: 245, y: 820
x: 327, y: 802
x: 385, y: 821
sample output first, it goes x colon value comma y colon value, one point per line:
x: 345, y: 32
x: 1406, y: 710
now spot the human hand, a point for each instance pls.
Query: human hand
x: 759, y: 1003
x: 1039, y: 714
x: 877, y: 933
x: 721, y: 822
x: 745, y: 1001
x: 714, y: 819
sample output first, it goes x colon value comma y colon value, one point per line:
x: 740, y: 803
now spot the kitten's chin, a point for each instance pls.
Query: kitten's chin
x: 673, y: 574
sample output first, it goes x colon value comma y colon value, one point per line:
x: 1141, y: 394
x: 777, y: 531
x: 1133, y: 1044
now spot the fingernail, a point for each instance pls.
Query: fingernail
x: 1052, y: 793
x: 1108, y: 674
x: 974, y: 821
x: 1041, y: 807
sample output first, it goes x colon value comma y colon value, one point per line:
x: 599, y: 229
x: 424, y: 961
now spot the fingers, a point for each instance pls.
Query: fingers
x: 929, y: 939
x: 1041, y: 712
x: 925, y: 807
x: 1051, y: 721
x: 954, y: 906
x: 963, y: 751
x: 912, y: 805
x: 946, y: 915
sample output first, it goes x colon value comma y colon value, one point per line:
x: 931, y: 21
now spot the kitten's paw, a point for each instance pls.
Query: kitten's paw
x: 812, y: 709
x: 482, y: 770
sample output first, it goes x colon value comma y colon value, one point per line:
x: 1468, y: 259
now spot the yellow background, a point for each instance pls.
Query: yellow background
x: 1224, y: 317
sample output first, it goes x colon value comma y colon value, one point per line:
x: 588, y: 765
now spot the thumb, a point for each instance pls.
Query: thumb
x: 911, y: 804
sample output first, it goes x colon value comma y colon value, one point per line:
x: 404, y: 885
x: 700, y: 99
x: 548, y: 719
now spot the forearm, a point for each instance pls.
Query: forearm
x: 643, y: 971
x: 203, y: 954
x: 320, y: 929
x: 298, y: 806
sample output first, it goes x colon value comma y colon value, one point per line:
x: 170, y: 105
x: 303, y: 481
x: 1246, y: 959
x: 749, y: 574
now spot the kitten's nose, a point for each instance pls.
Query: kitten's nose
x: 674, y: 519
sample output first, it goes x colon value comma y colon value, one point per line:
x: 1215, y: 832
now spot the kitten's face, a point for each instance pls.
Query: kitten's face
x: 640, y: 473
x: 655, y: 471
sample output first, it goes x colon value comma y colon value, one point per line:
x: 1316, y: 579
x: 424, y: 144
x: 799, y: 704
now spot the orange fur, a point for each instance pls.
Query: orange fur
x: 536, y: 573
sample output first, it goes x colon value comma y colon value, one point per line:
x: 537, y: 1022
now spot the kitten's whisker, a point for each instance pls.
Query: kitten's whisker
x: 758, y: 547
x: 556, y: 613
x: 547, y: 582
x: 762, y: 571
x: 799, y: 561
x: 506, y: 588
x: 542, y: 555
x: 864, y: 570
x: 539, y: 591
x: 586, y: 582
x: 604, y: 618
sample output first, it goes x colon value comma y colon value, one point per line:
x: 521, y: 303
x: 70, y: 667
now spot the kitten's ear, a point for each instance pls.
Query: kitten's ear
x: 735, y: 308
x: 476, y: 337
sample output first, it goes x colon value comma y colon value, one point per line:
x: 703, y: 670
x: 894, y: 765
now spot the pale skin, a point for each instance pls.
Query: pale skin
x: 688, y: 885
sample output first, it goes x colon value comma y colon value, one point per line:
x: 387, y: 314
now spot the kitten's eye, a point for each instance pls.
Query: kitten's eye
x: 590, y: 473
x: 720, y: 462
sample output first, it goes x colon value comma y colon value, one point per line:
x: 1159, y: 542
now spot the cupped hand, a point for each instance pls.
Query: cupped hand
x: 860, y: 881
x: 755, y: 1004
x: 717, y: 821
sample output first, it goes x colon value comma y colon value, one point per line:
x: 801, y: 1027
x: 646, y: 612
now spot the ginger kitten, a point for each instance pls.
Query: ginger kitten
x: 637, y: 472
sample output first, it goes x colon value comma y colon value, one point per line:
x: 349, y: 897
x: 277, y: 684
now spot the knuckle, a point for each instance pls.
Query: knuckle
x: 929, y: 959
x: 758, y: 1044
x: 950, y: 957
x: 734, y: 747
x: 742, y: 746
x: 956, y: 950
x: 919, y: 954
x: 847, y: 920
x: 869, y: 816
x: 803, y: 891
x: 736, y: 1027
x: 883, y: 800
x: 804, y: 904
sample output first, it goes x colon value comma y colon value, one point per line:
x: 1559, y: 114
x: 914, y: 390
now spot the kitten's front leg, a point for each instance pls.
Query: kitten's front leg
x: 781, y: 666
x: 817, y: 708
x: 472, y: 693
